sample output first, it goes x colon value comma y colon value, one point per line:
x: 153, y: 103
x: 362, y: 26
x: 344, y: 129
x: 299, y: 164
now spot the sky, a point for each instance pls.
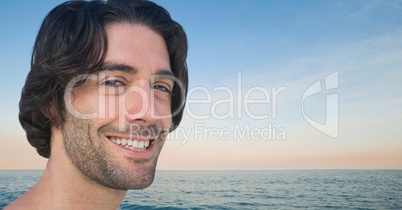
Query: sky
x: 274, y: 85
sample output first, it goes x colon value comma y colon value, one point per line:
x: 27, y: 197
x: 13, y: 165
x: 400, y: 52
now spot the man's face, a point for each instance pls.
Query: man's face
x: 119, y: 144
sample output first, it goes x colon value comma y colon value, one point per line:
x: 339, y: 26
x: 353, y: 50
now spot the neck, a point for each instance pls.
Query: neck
x: 63, y: 186
x: 69, y: 189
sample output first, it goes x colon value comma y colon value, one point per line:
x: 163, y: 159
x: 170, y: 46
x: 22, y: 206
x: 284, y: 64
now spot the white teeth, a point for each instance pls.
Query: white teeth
x: 131, y: 144
x: 135, y: 143
x: 141, y: 144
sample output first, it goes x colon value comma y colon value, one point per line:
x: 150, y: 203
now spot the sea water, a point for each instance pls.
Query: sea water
x: 287, y: 189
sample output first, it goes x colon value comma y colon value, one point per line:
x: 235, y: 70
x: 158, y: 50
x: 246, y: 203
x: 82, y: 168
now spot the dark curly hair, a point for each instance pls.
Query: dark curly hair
x: 72, y: 41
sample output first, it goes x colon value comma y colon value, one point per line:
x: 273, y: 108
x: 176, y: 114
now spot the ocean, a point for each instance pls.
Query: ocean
x: 287, y: 189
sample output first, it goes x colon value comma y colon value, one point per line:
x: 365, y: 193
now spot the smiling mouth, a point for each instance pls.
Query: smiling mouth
x: 134, y: 145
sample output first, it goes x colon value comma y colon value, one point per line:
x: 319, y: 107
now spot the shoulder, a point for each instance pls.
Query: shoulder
x: 19, y: 204
x: 26, y: 201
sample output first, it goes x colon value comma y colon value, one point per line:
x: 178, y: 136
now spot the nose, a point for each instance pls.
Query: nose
x: 140, y: 105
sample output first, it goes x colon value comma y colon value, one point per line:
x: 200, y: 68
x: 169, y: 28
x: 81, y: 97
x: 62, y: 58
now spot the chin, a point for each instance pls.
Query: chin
x: 142, y: 186
x: 140, y: 178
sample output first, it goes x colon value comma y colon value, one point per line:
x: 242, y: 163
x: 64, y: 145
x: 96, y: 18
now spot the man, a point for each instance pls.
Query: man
x: 107, y: 82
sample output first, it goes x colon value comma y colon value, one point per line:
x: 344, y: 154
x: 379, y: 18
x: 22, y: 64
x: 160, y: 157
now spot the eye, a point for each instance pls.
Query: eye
x: 112, y: 83
x: 163, y: 88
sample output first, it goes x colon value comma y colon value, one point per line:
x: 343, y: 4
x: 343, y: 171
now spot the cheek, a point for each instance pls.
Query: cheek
x: 165, y: 114
x: 82, y: 104
x: 164, y: 109
x: 108, y: 107
x: 91, y: 105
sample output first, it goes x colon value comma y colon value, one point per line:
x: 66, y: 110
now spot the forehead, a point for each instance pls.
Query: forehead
x: 137, y: 46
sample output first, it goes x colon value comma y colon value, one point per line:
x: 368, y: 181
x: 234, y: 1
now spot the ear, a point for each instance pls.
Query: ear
x: 53, y: 111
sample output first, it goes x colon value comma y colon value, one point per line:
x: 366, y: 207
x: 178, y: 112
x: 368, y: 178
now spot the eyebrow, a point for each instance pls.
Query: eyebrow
x: 129, y: 69
x: 165, y: 74
x: 119, y: 67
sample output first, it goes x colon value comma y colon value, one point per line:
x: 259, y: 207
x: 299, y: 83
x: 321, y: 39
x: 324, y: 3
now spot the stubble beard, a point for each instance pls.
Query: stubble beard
x: 86, y: 150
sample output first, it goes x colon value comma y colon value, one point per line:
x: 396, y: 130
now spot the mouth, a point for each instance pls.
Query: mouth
x: 132, y: 144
